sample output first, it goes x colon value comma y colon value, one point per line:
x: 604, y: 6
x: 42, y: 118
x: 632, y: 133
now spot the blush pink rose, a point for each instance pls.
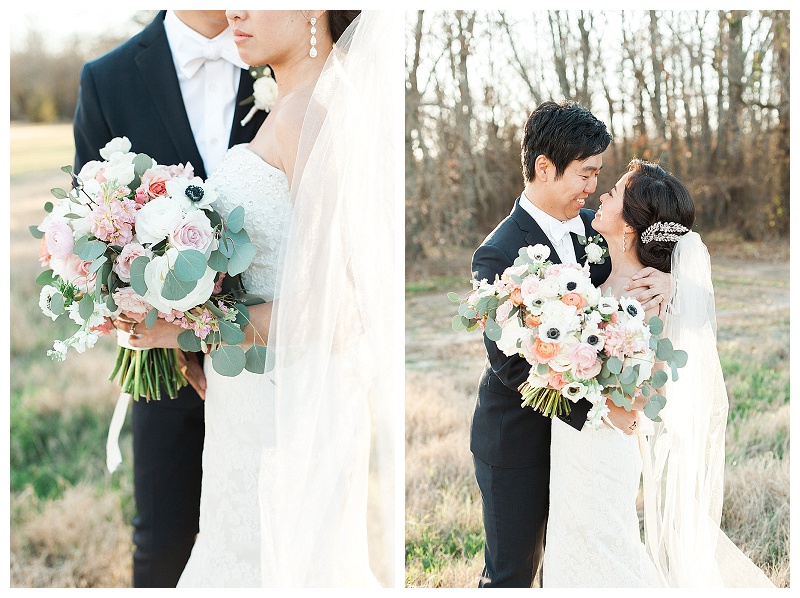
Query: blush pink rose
x: 122, y: 265
x: 556, y: 380
x: 75, y: 270
x: 44, y: 254
x: 130, y: 301
x: 585, y: 363
x: 59, y: 239
x: 194, y: 232
x: 154, y: 182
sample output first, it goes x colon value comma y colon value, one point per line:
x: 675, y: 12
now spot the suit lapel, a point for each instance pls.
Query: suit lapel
x: 534, y: 235
x: 158, y: 71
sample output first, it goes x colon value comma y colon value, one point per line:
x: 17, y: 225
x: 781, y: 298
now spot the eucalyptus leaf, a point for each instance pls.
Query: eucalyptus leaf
x: 110, y: 303
x: 492, y: 330
x: 48, y: 206
x: 664, y: 351
x: 680, y: 358
x: 248, y: 299
x: 646, y: 390
x: 189, y: 341
x: 190, y: 265
x: 628, y: 375
x: 457, y: 325
x: 46, y: 277
x: 225, y: 246
x: 137, y: 274
x: 659, y: 379
x: 256, y: 359
x: 141, y: 163
x: 174, y: 288
x: 656, y: 325
x: 231, y: 333
x: 150, y: 319
x: 235, y: 220
x: 228, y: 360
x: 59, y: 193
x: 243, y: 311
x: 614, y: 365
x: 37, y: 234
x: 97, y: 264
x: 86, y: 307
x: 217, y: 261
x: 542, y: 369
x: 451, y: 295
x: 57, y: 303
x: 243, y: 253
x: 214, y: 217
x: 654, y: 406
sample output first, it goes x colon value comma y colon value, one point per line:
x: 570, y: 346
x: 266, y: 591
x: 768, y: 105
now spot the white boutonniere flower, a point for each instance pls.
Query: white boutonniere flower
x: 265, y: 92
x: 595, y: 253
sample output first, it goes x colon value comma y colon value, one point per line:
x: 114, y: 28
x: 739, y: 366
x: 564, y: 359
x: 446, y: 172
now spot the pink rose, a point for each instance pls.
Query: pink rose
x: 75, y: 270
x: 218, y: 284
x: 194, y: 232
x: 44, y: 254
x: 501, y: 315
x: 556, y: 380
x: 122, y: 265
x: 154, y: 181
x: 130, y: 301
x: 585, y: 363
x: 59, y: 239
x: 530, y: 286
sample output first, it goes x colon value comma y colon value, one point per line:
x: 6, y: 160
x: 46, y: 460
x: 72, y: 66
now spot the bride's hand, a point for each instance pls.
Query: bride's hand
x: 624, y: 420
x: 163, y: 334
x: 652, y: 289
x: 191, y: 368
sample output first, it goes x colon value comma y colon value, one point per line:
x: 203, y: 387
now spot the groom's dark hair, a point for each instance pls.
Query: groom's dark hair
x: 562, y: 133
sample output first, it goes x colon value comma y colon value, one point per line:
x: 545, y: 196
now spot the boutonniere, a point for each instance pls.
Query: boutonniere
x: 265, y: 92
x: 595, y: 252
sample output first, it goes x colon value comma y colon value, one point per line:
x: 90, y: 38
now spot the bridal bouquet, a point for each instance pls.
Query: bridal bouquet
x: 580, y: 343
x: 135, y: 236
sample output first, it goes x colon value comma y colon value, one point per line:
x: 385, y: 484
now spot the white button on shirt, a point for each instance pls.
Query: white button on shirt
x: 557, y: 232
x: 208, y: 86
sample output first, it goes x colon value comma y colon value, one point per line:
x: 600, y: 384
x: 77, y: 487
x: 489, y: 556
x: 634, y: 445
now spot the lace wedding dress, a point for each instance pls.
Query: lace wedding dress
x: 239, y: 410
x: 593, y: 535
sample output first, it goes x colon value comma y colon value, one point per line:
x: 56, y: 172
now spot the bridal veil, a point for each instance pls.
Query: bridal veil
x: 683, y: 481
x: 327, y: 488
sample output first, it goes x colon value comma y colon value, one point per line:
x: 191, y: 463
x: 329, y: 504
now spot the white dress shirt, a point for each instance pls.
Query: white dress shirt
x: 556, y: 231
x: 208, y: 73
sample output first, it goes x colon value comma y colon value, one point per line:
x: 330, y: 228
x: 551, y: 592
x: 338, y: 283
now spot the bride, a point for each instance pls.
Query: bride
x: 298, y: 463
x: 593, y: 537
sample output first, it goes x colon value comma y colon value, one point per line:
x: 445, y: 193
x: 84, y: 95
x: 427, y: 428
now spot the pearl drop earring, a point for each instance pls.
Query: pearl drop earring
x: 313, y: 51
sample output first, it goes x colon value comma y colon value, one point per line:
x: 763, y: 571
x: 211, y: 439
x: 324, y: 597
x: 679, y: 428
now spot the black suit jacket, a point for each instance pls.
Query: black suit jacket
x: 503, y: 433
x: 133, y: 91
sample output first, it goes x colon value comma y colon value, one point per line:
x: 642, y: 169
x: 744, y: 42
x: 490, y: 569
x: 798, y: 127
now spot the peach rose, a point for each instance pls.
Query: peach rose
x: 556, y: 380
x: 44, y: 254
x: 516, y: 296
x: 574, y: 299
x: 544, y: 351
x: 532, y: 321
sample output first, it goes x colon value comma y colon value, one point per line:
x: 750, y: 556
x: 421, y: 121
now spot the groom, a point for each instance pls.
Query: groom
x: 174, y: 90
x: 561, y: 158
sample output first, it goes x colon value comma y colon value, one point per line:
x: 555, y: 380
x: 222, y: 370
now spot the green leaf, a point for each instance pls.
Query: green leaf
x: 542, y: 369
x: 646, y: 390
x: 141, y: 163
x: 256, y: 359
x: 37, y: 234
x: 451, y: 295
x: 86, y: 307
x: 231, y: 333
x: 88, y: 250
x: 46, y: 277
x: 48, y: 206
x: 457, y: 325
x: 151, y: 318
x: 243, y: 252
x: 174, y: 288
x: 57, y: 303
x: 679, y: 358
x: 492, y: 330
x: 614, y: 365
x: 59, y: 193
x: 664, y: 351
x: 619, y: 399
x: 137, y: 274
x: 654, y: 406
x: 67, y: 169
x: 217, y: 261
x: 190, y: 266
x: 235, y: 220
x: 228, y: 360
x: 225, y: 246
x: 97, y: 264
x: 214, y: 217
x: 656, y: 325
x: 110, y: 303
x: 628, y: 375
x: 189, y: 341
x: 659, y: 379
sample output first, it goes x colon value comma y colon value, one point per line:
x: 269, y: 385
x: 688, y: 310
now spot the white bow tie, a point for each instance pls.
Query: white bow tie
x: 192, y: 53
x: 573, y: 225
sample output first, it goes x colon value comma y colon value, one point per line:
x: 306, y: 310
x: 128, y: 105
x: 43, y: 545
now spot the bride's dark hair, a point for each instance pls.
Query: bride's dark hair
x: 339, y: 20
x: 654, y: 195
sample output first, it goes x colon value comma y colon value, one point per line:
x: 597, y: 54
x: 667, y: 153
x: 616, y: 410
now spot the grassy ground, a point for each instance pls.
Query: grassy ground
x: 444, y: 532
x: 69, y: 517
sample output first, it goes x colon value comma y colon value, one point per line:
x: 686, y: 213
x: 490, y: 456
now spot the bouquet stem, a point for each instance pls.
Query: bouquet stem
x: 143, y: 373
x: 547, y: 401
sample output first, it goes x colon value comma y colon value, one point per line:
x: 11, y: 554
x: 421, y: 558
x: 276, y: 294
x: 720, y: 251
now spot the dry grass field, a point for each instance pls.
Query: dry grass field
x: 444, y: 532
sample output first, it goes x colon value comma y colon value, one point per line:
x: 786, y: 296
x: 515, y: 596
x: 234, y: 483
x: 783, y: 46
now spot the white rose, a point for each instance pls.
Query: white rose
x: 156, y: 219
x: 118, y: 145
x: 155, y: 273
x: 594, y: 253
x: 512, y: 331
x: 193, y: 232
x: 121, y: 171
x: 265, y: 93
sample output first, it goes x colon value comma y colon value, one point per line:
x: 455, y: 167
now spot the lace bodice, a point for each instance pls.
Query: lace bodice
x: 244, y: 179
